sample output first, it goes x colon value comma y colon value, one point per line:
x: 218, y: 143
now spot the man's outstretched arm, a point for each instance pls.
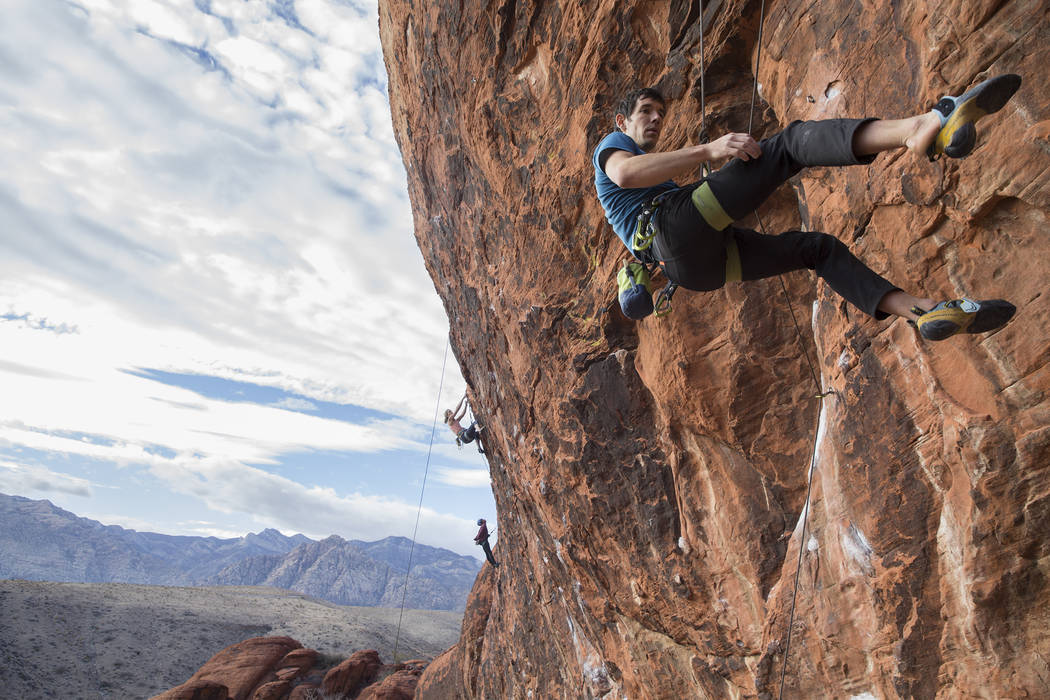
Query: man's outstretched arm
x: 461, y: 408
x: 631, y: 171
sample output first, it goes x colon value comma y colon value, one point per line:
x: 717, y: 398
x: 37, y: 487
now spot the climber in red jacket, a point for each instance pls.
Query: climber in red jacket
x: 482, y: 538
x: 689, y: 230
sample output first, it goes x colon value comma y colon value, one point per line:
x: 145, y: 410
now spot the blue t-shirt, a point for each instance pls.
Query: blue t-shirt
x: 621, y: 205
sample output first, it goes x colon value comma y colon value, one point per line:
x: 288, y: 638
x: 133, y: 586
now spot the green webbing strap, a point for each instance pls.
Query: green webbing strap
x: 733, y: 273
x: 707, y: 204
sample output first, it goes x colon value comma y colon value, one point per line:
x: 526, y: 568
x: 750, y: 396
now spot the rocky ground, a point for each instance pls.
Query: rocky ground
x: 75, y: 640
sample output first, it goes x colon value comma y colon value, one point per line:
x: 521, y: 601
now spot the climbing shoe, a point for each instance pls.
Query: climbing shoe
x: 963, y: 316
x: 958, y: 134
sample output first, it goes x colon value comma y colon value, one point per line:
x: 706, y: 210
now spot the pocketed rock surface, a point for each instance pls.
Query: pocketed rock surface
x: 650, y: 477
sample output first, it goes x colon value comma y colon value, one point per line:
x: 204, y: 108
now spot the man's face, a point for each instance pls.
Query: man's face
x: 645, y: 123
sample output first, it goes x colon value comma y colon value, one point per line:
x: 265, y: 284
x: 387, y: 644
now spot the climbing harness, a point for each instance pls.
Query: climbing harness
x: 634, y: 279
x: 412, y: 549
x: 645, y: 231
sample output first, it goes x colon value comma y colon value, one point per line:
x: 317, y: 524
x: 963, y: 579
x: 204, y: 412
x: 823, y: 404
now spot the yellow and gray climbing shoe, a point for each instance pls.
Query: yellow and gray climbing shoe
x: 964, y: 316
x: 958, y: 134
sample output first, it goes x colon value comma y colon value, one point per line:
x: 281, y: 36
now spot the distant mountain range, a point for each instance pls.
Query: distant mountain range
x: 41, y: 542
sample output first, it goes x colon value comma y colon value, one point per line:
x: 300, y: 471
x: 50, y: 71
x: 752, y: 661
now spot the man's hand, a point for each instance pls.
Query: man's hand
x: 740, y: 146
x: 632, y: 171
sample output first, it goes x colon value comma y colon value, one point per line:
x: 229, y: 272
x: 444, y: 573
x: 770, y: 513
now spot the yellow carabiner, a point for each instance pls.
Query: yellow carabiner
x: 662, y: 307
x: 643, y: 238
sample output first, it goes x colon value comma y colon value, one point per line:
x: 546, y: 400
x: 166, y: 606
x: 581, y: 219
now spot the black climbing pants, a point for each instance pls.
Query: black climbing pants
x: 470, y: 434
x: 488, y: 552
x: 694, y: 253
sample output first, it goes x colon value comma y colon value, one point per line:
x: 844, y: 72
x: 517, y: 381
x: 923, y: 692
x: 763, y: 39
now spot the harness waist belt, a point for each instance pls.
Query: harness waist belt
x: 707, y: 204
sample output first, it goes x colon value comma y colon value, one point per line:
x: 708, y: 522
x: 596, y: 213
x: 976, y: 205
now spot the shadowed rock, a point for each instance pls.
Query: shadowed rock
x: 399, y: 685
x: 352, y: 674
x: 241, y: 667
x: 278, y: 668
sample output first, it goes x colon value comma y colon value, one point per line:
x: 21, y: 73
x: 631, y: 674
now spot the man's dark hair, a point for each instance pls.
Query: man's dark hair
x: 630, y: 100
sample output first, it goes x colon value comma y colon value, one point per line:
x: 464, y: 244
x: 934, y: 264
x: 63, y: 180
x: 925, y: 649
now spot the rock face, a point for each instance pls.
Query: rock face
x: 278, y: 668
x: 353, y: 674
x: 399, y: 685
x: 241, y: 668
x: 650, y: 477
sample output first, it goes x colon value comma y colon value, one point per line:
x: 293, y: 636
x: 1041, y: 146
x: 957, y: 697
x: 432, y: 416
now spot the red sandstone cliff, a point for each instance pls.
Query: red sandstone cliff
x: 279, y: 668
x: 650, y: 477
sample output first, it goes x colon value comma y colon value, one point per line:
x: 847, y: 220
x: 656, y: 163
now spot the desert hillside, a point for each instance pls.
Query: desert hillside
x: 78, y: 640
x: 42, y: 542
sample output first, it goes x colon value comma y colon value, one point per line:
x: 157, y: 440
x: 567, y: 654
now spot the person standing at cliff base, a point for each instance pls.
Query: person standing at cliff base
x: 689, y: 230
x: 482, y: 538
x: 463, y: 435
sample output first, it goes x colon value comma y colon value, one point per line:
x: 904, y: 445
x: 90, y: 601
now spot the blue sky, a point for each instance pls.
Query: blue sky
x: 213, y: 315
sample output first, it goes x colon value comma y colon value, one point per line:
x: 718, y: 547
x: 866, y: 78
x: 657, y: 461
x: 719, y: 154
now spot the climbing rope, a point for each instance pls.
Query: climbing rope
x: 412, y: 549
x: 821, y: 394
x: 798, y: 566
x: 758, y: 62
x: 704, y: 136
x: 703, y: 86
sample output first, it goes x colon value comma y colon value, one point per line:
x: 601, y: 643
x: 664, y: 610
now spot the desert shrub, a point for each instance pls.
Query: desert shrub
x: 318, y: 694
x: 327, y: 661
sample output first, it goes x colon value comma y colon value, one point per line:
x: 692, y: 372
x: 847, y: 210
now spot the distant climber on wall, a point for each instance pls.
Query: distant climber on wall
x: 463, y: 435
x: 690, y: 231
x: 482, y: 538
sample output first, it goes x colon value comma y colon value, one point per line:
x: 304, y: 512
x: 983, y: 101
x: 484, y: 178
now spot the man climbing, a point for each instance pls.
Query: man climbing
x: 482, y: 538
x: 463, y: 435
x: 689, y: 229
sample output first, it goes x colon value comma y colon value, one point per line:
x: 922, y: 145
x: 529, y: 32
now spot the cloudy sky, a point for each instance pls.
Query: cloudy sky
x: 213, y: 315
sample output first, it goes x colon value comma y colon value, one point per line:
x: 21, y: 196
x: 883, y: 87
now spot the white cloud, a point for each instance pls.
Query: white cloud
x: 137, y: 413
x: 293, y: 404
x: 29, y: 479
x: 244, y: 225
x: 209, y: 188
x: 471, y: 478
x: 196, y: 528
x: 315, y: 511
